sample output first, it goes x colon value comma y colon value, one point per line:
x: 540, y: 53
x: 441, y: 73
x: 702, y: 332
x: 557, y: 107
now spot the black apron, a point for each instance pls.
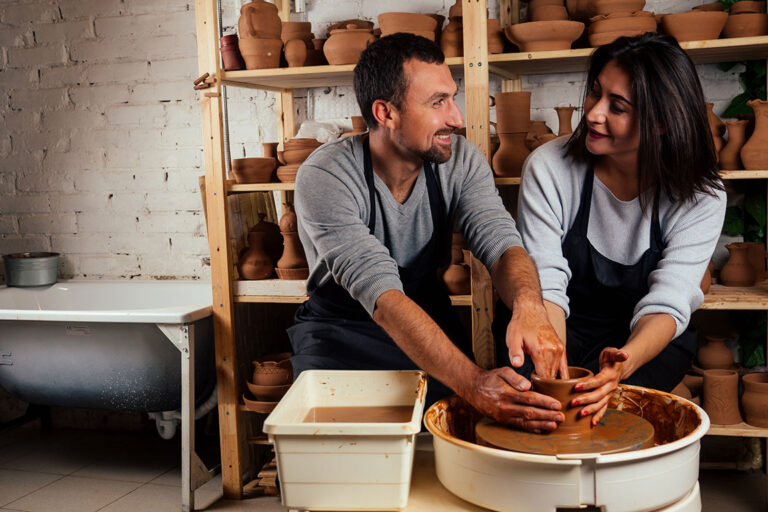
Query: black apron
x: 602, y: 296
x: 333, y: 331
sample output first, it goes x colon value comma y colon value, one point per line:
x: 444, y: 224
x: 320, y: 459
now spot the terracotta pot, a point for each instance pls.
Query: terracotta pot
x: 721, y: 396
x: 714, y: 355
x: 293, y: 274
x: 259, y: 19
x: 682, y: 391
x: 738, y: 270
x: 508, y: 160
x: 452, y: 39
x: 730, y: 158
x: 694, y: 25
x: 230, y: 53
x: 513, y: 111
x: 714, y: 6
x: 297, y: 30
x: 261, y: 53
x: 495, y: 37
x: 562, y: 390
x: 537, y: 129
x: 268, y: 393
x: 564, y: 116
x: 293, y: 251
x: 613, y: 6
x: 270, y: 149
x: 456, y: 10
x: 754, y: 401
x: 580, y: 10
x: 391, y: 22
x: 273, y: 370
x: 254, y: 262
x: 287, y: 173
x: 295, y: 53
x: 345, y: 45
x: 748, y: 24
x: 253, y: 170
x: 547, y: 13
x: 544, y: 35
x: 717, y: 127
x: 694, y: 382
x: 747, y: 6
x: 457, y: 277
x: 607, y: 28
x: 754, y: 154
x: 756, y: 254
x: 357, y: 23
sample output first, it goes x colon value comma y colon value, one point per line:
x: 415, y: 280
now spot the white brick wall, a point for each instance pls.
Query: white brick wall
x: 100, y: 135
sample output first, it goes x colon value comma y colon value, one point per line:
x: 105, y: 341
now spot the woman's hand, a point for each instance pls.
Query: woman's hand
x: 604, y: 383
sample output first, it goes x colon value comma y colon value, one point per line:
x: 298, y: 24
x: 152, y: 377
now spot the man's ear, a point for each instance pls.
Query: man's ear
x: 386, y: 114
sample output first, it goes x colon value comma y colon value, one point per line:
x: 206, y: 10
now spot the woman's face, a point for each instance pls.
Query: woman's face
x: 611, y: 115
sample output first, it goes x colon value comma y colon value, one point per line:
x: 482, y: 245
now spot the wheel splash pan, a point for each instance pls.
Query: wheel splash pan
x: 634, y: 481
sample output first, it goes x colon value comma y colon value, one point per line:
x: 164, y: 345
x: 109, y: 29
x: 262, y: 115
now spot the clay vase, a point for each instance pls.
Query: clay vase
x: 532, y: 138
x: 738, y: 270
x: 513, y: 112
x: 754, y: 154
x: 717, y: 127
x: 293, y: 263
x: 345, y: 45
x: 714, y: 355
x: 456, y: 9
x: 452, y: 38
x: 756, y: 254
x: 508, y: 160
x: 495, y: 37
x: 562, y: 390
x: 273, y: 242
x: 721, y: 396
x: 564, y: 116
x: 730, y: 158
x: 259, y: 19
x: 254, y: 262
x: 270, y: 149
x: 754, y: 401
x: 457, y: 277
x: 295, y: 53
x: 230, y: 53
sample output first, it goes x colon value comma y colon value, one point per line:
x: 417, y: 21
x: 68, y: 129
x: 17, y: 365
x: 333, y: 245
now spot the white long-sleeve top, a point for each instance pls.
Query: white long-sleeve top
x: 549, y: 201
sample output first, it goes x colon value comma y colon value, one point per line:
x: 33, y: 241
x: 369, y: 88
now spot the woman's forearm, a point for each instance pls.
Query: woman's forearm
x: 652, y: 333
x: 556, y: 318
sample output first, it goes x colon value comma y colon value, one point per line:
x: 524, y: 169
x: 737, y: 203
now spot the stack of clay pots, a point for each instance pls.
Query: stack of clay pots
x: 606, y: 28
x: 746, y: 264
x: 457, y: 277
x: 345, y: 45
x: 544, y: 35
x: 422, y: 25
x: 260, y: 27
x: 358, y: 127
x: 293, y: 263
x: 301, y: 47
x: 272, y: 377
x: 265, y: 245
x: 694, y: 25
x: 754, y: 154
x: 513, y: 120
x: 746, y: 19
x: 296, y: 151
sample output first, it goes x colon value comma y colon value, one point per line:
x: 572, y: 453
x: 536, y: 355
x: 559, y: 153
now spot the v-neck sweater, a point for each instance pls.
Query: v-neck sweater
x: 333, y: 209
x: 550, y: 193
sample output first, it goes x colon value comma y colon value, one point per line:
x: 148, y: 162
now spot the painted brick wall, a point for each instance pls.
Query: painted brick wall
x: 100, y: 137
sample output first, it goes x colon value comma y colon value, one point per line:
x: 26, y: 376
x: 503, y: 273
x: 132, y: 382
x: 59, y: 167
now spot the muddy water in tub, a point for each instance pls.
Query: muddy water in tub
x: 372, y: 414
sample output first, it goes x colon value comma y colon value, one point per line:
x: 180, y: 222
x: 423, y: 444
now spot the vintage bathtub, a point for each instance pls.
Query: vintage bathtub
x: 120, y: 345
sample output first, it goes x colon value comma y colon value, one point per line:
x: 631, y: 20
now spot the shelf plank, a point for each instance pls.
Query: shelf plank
x: 506, y: 182
x: 743, y: 175
x: 738, y: 430
x: 235, y: 188
x: 461, y: 300
x: 737, y: 298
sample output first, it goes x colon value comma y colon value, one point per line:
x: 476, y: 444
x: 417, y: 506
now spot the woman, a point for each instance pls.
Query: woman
x: 622, y: 218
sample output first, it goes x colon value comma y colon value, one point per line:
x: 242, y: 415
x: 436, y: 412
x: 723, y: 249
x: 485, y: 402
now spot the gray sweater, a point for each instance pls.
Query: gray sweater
x: 549, y: 200
x: 333, y: 209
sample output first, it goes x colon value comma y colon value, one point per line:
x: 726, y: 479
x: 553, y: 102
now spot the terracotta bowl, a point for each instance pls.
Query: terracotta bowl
x: 606, y: 28
x: 273, y: 370
x: 747, y: 24
x: 714, y: 6
x: 296, y: 156
x: 253, y: 170
x: 694, y: 25
x: 391, y: 22
x: 747, y: 6
x: 547, y: 13
x: 292, y: 273
x: 544, y: 35
x: 604, y: 38
x: 287, y: 173
x: 611, y: 6
x: 261, y: 53
x: 268, y: 393
x: 257, y: 406
x: 301, y: 143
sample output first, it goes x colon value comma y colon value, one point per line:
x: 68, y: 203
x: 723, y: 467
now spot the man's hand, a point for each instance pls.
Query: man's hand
x: 505, y: 396
x: 529, y: 331
x: 604, y: 383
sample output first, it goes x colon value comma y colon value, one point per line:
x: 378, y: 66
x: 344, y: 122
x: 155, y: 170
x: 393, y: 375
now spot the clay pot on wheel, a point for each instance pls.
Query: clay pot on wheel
x: 730, y: 158
x: 714, y: 355
x: 562, y: 391
x: 754, y: 401
x: 754, y: 154
x: 721, y: 396
x: 738, y: 271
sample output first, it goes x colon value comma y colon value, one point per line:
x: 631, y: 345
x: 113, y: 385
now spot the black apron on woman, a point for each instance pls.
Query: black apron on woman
x: 333, y: 331
x: 602, y: 296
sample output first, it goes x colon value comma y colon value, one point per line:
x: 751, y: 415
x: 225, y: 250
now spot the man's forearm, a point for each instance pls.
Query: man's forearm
x: 423, y: 341
x: 515, y: 278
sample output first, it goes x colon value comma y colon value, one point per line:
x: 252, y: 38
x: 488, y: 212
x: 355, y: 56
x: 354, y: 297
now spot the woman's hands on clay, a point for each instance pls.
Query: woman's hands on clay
x: 530, y: 332
x: 505, y: 396
x: 602, y: 385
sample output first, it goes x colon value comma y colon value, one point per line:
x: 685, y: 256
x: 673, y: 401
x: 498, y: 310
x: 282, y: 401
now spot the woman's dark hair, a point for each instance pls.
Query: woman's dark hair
x: 676, y: 153
x: 379, y: 72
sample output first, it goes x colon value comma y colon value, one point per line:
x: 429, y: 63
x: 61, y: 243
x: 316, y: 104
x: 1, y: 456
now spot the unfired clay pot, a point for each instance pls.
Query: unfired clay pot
x: 273, y: 370
x: 717, y: 127
x: 532, y: 138
x: 452, y: 38
x: 253, y: 170
x: 562, y: 390
x: 754, y: 401
x: 508, y: 160
x: 261, y: 53
x: 391, y: 22
x: 544, y: 35
x: 748, y: 24
x: 714, y: 355
x: 293, y: 263
x: 694, y: 25
x: 495, y: 37
x: 345, y: 45
x: 547, y: 12
x: 754, y: 154
x: 747, y: 6
x: 513, y: 111
x: 606, y: 28
x: 457, y: 277
x: 230, y: 53
x: 259, y: 19
x: 564, y: 116
x: 270, y: 149
x: 730, y: 158
x: 721, y: 396
x: 756, y: 254
x: 738, y: 271
x: 295, y: 53
x: 254, y: 262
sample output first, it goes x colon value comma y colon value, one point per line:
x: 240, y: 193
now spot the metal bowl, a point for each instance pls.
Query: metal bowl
x: 31, y: 268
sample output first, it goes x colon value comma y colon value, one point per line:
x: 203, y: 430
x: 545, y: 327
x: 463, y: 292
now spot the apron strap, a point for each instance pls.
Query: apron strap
x: 582, y: 215
x: 368, y: 171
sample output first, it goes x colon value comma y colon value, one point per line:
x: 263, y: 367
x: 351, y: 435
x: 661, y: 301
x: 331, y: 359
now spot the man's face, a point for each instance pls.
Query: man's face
x: 429, y: 115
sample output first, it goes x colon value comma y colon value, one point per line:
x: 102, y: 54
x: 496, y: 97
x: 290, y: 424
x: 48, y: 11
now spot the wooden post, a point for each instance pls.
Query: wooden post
x: 221, y: 264
x: 476, y: 73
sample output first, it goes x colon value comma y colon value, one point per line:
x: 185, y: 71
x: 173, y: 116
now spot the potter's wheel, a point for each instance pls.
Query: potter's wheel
x: 617, y: 431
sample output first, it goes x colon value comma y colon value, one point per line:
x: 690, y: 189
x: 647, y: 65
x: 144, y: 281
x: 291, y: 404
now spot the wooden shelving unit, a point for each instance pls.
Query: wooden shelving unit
x: 475, y: 67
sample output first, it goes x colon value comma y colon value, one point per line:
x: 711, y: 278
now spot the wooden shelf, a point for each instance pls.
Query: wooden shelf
x: 234, y: 188
x: 506, y: 182
x: 739, y: 430
x: 743, y: 175
x: 737, y: 298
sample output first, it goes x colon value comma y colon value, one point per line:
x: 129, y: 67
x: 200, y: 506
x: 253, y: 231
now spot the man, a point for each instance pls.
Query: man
x: 375, y: 217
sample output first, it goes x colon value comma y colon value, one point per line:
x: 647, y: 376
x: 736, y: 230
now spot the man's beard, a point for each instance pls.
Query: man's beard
x: 433, y: 154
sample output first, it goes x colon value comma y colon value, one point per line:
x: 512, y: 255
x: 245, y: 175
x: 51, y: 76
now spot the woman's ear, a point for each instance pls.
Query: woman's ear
x: 386, y: 114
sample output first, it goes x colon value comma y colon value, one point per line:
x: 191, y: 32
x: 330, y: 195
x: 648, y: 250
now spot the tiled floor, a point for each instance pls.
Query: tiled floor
x: 85, y: 471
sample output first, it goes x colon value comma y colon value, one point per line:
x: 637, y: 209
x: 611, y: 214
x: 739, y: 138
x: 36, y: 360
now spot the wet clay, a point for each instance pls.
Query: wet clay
x: 369, y: 414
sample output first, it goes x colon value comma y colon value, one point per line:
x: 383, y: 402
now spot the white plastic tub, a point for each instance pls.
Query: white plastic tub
x: 346, y: 466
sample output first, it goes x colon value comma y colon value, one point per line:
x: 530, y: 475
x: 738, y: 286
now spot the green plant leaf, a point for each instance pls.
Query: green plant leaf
x: 754, y: 206
x: 738, y: 106
x: 734, y: 221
